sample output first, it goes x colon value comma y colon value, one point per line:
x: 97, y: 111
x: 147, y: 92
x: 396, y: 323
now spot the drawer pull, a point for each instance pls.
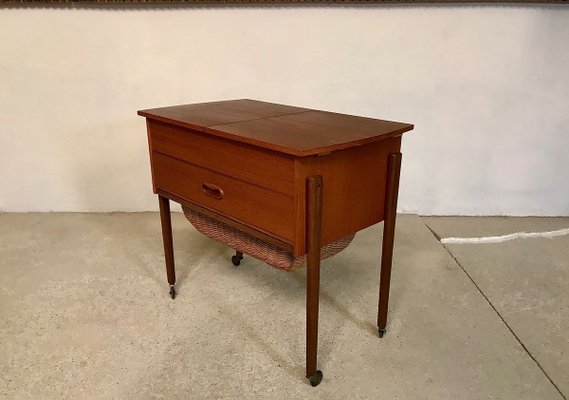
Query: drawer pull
x: 212, y: 190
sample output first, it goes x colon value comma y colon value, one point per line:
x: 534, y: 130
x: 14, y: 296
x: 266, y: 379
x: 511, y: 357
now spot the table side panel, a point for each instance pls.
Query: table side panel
x: 150, y: 147
x: 257, y: 207
x: 353, y: 190
x: 256, y: 165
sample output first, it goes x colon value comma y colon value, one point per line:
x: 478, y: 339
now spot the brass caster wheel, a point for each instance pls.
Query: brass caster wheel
x: 172, y: 292
x: 315, y: 379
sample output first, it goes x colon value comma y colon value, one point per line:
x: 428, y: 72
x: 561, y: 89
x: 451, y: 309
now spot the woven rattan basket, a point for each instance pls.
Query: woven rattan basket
x: 247, y: 244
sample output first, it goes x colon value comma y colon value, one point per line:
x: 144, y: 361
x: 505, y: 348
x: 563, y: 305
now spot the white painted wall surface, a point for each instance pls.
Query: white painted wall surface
x: 486, y: 86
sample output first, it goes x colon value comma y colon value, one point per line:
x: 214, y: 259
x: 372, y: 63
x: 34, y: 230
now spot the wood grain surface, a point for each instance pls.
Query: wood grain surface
x: 353, y: 190
x: 201, y: 115
x: 260, y: 208
x: 253, y: 164
x: 290, y: 130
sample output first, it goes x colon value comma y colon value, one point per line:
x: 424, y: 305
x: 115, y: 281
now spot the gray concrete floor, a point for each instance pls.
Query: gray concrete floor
x: 526, y: 281
x: 84, y: 314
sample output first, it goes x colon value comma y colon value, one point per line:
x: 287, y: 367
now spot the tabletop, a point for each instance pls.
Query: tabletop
x: 291, y: 130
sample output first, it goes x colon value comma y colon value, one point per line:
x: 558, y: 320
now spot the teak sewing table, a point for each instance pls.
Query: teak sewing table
x: 294, y: 178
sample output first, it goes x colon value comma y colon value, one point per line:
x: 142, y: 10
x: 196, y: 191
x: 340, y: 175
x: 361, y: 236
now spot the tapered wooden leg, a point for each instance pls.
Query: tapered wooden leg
x: 166, y: 221
x: 390, y: 209
x: 314, y: 218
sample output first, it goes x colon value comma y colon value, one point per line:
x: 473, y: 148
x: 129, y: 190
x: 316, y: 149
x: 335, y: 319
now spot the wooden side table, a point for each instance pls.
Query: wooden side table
x: 291, y: 178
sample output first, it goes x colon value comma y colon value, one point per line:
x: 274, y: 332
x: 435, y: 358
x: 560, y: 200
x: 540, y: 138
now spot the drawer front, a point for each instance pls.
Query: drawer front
x: 260, y: 208
x: 262, y: 167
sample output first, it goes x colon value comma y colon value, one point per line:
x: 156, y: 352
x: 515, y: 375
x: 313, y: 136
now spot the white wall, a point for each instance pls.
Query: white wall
x: 486, y: 86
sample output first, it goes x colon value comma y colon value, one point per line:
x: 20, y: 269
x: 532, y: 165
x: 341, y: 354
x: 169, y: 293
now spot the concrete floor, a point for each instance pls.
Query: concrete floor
x: 84, y: 314
x: 525, y: 280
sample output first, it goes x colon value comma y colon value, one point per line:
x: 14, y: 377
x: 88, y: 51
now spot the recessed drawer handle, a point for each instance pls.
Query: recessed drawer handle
x: 212, y: 190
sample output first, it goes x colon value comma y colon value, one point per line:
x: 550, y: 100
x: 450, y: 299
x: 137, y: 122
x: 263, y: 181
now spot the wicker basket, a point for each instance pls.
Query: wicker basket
x: 257, y: 248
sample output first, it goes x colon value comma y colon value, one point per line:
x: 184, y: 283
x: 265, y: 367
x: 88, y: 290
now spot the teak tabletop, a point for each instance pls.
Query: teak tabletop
x: 287, y: 185
x: 291, y: 130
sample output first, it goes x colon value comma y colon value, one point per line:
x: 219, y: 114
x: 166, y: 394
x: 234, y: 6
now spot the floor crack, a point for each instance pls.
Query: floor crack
x: 496, y: 311
x: 503, y: 238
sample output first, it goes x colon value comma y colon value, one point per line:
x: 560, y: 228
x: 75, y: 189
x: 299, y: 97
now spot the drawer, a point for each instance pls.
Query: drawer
x: 262, y: 167
x: 266, y: 210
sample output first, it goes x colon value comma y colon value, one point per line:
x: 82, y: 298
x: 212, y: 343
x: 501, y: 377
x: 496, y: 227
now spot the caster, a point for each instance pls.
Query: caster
x: 236, y: 259
x: 315, y: 379
x: 172, y: 292
x: 381, y: 332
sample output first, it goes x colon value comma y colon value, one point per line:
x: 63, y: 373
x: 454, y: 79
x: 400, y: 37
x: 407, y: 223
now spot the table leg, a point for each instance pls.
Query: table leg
x: 314, y: 217
x: 166, y: 221
x: 390, y: 210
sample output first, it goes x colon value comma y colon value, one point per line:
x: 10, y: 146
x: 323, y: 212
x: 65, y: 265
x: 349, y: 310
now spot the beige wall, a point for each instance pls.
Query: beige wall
x: 487, y: 87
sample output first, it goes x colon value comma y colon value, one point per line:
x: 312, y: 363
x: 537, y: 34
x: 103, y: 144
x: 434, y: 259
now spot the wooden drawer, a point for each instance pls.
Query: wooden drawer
x: 262, y: 167
x: 269, y: 211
